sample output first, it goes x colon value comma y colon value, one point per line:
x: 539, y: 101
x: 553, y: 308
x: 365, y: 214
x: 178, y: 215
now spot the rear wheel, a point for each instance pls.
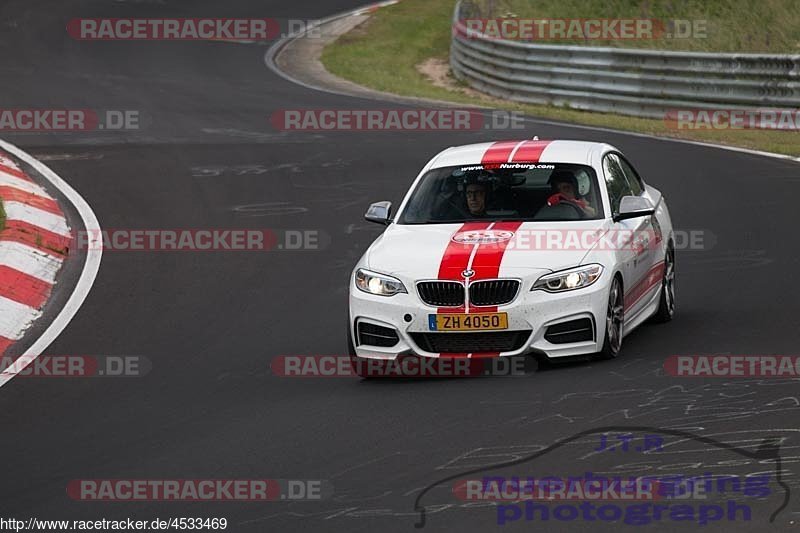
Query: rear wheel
x: 666, y: 306
x: 615, y: 318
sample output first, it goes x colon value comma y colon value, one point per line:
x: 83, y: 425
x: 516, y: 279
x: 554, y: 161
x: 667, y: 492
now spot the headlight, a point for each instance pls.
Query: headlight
x: 379, y: 284
x: 567, y: 280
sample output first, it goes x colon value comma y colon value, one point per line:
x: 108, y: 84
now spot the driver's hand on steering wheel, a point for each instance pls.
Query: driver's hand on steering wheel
x: 558, y: 198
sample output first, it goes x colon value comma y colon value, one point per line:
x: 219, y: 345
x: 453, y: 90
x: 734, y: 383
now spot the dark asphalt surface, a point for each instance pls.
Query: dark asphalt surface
x: 211, y: 322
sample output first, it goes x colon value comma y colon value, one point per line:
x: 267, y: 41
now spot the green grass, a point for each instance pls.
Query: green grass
x: 2, y: 216
x: 383, y: 54
x: 731, y: 26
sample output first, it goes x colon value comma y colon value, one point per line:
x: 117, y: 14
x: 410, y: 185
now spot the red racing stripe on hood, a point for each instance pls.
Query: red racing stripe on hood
x: 486, y: 263
x: 530, y: 152
x: 456, y: 255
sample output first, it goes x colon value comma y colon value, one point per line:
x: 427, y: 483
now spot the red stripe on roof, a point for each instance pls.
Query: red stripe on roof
x: 499, y: 152
x: 530, y: 152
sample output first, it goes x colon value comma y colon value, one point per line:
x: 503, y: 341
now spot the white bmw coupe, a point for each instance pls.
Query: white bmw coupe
x: 549, y: 248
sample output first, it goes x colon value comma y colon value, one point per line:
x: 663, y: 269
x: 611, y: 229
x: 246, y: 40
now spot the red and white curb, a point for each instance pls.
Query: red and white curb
x: 33, y: 246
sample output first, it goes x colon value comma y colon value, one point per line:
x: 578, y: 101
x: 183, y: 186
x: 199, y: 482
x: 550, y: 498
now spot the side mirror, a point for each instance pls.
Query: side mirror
x: 380, y: 213
x: 634, y: 207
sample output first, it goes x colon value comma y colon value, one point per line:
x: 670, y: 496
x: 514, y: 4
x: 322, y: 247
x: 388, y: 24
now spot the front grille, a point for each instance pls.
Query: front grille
x: 483, y: 342
x: 373, y: 335
x: 493, y: 292
x: 579, y: 330
x: 441, y: 293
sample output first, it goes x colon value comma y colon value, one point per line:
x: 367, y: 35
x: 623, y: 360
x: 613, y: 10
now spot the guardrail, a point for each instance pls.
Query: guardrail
x: 643, y: 83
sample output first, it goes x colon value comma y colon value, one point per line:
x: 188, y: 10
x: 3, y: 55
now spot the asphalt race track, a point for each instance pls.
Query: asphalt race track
x: 210, y: 323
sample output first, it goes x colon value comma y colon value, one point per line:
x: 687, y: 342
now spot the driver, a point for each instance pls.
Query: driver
x: 565, y: 189
x: 475, y: 194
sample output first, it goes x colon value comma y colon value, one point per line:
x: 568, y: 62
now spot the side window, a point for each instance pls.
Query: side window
x: 633, y: 177
x: 616, y: 183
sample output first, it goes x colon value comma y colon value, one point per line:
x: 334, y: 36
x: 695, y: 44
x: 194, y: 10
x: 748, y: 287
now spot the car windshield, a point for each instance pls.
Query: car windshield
x: 508, y: 191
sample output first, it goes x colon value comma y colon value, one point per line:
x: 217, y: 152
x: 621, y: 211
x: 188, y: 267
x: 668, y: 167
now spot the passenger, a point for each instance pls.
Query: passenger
x: 565, y: 189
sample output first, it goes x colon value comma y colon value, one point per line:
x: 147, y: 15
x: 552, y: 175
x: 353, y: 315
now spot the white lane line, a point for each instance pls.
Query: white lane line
x: 21, y: 184
x: 37, y: 217
x: 15, y: 318
x: 29, y: 260
x: 94, y: 255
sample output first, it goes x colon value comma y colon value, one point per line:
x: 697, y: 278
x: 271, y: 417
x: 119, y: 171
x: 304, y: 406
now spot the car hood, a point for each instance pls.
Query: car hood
x: 432, y: 251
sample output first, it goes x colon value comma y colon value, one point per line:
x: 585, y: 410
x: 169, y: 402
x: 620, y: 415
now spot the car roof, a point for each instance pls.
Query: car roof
x: 525, y: 150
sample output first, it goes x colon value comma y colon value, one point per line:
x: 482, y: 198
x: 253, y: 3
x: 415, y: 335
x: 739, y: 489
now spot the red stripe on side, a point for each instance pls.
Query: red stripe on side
x: 4, y: 345
x: 499, y: 152
x: 530, y: 152
x: 643, y: 286
x: 23, y: 288
x: 36, y: 237
x: 12, y: 194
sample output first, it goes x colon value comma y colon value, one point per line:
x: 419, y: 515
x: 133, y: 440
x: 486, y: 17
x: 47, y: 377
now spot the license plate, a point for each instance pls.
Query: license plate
x: 471, y: 322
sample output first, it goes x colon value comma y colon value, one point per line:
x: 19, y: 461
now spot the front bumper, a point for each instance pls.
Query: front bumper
x: 532, y: 312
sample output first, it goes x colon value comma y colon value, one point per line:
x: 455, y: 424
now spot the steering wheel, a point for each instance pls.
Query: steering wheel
x: 459, y: 209
x: 581, y: 212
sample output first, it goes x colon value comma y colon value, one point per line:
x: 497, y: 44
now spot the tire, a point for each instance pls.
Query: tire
x: 615, y: 319
x: 666, y: 304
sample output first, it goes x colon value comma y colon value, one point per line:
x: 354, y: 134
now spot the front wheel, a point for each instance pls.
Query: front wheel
x: 615, y: 317
x: 666, y: 305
